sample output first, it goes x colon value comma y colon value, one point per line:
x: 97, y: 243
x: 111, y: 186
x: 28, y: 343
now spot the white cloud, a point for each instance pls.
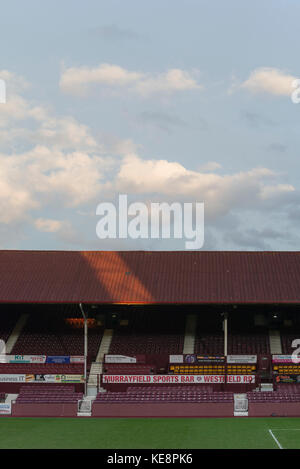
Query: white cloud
x: 15, y: 201
x: 210, y: 166
x: 221, y: 193
x: 54, y: 164
x: 270, y: 192
x: 47, y: 225
x: 20, y: 119
x: 14, y: 82
x: 79, y: 80
x: 171, y: 81
x: 76, y: 80
x: 65, y: 133
x: 17, y: 107
x: 62, y: 230
x: 269, y: 80
x: 43, y: 177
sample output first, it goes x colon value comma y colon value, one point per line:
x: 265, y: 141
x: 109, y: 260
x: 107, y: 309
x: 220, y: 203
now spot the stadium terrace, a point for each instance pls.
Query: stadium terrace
x: 149, y: 334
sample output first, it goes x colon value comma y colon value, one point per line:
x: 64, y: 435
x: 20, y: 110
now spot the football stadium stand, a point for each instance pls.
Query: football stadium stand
x: 49, y: 395
x: 49, y: 334
x: 8, y: 321
x: 109, y: 334
x: 149, y: 334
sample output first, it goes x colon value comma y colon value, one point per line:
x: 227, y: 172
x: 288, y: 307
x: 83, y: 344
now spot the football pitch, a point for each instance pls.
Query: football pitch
x: 150, y: 433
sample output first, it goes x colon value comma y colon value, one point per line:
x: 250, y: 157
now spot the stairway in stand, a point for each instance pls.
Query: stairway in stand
x: 190, y: 334
x: 96, y: 368
x: 275, y: 342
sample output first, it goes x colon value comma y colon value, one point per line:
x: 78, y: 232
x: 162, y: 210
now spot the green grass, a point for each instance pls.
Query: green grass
x: 172, y: 433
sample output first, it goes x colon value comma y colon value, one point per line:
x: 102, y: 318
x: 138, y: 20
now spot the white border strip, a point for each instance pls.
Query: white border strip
x: 275, y: 439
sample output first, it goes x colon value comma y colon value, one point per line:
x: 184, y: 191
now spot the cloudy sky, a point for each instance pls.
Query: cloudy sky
x: 163, y: 100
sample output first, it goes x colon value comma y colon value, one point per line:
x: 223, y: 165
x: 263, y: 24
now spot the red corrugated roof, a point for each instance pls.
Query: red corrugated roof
x: 149, y: 277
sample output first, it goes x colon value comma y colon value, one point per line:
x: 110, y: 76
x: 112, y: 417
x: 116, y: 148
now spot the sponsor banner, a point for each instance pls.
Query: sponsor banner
x: 242, y: 359
x: 176, y: 379
x: 176, y: 358
x: 195, y: 359
x: 58, y: 359
x: 43, y: 379
x: 283, y: 358
x: 41, y: 359
x: 72, y: 379
x: 287, y: 379
x: 12, y: 378
x: 119, y: 359
x: 25, y: 359
x: 77, y: 359
x: 5, y: 409
x: 30, y: 378
x: 55, y: 379
x: 207, y: 359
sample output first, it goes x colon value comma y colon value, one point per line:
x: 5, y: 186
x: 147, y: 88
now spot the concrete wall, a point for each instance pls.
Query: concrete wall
x: 163, y: 410
x: 44, y: 410
x: 274, y: 409
x: 258, y: 409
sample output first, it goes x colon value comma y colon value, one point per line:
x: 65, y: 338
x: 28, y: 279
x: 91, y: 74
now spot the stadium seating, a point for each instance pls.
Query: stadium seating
x: 43, y: 394
x: 288, y: 388
x: 140, y: 396
x: 128, y: 369
x: 275, y: 396
x: 200, y: 389
x: 48, y: 334
x: 209, y: 344
x: 149, y: 334
x: 238, y: 344
x: 7, y: 324
x: 151, y: 338
x: 243, y: 336
x: 286, y: 341
x: 250, y: 343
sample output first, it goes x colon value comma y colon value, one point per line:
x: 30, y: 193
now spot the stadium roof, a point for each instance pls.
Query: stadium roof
x: 149, y: 277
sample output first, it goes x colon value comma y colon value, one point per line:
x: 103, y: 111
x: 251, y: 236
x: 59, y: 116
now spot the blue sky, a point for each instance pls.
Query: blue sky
x: 164, y: 101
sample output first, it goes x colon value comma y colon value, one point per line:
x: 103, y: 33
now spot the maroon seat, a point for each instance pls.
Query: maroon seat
x: 47, y: 333
x: 160, y: 396
x: 46, y: 394
x: 149, y: 334
x: 128, y: 369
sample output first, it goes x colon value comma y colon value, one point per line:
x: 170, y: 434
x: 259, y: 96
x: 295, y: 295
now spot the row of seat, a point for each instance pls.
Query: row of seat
x: 174, y: 388
x: 40, y: 394
x: 49, y: 334
x: 53, y: 332
x: 160, y: 396
x: 128, y: 369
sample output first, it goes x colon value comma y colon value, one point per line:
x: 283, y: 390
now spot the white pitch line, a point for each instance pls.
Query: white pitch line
x: 275, y: 439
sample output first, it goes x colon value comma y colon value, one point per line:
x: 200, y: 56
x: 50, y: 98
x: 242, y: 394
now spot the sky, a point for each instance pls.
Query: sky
x: 164, y: 101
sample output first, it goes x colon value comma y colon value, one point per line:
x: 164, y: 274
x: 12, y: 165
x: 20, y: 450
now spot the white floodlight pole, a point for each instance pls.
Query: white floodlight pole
x: 225, y: 327
x: 85, y: 347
